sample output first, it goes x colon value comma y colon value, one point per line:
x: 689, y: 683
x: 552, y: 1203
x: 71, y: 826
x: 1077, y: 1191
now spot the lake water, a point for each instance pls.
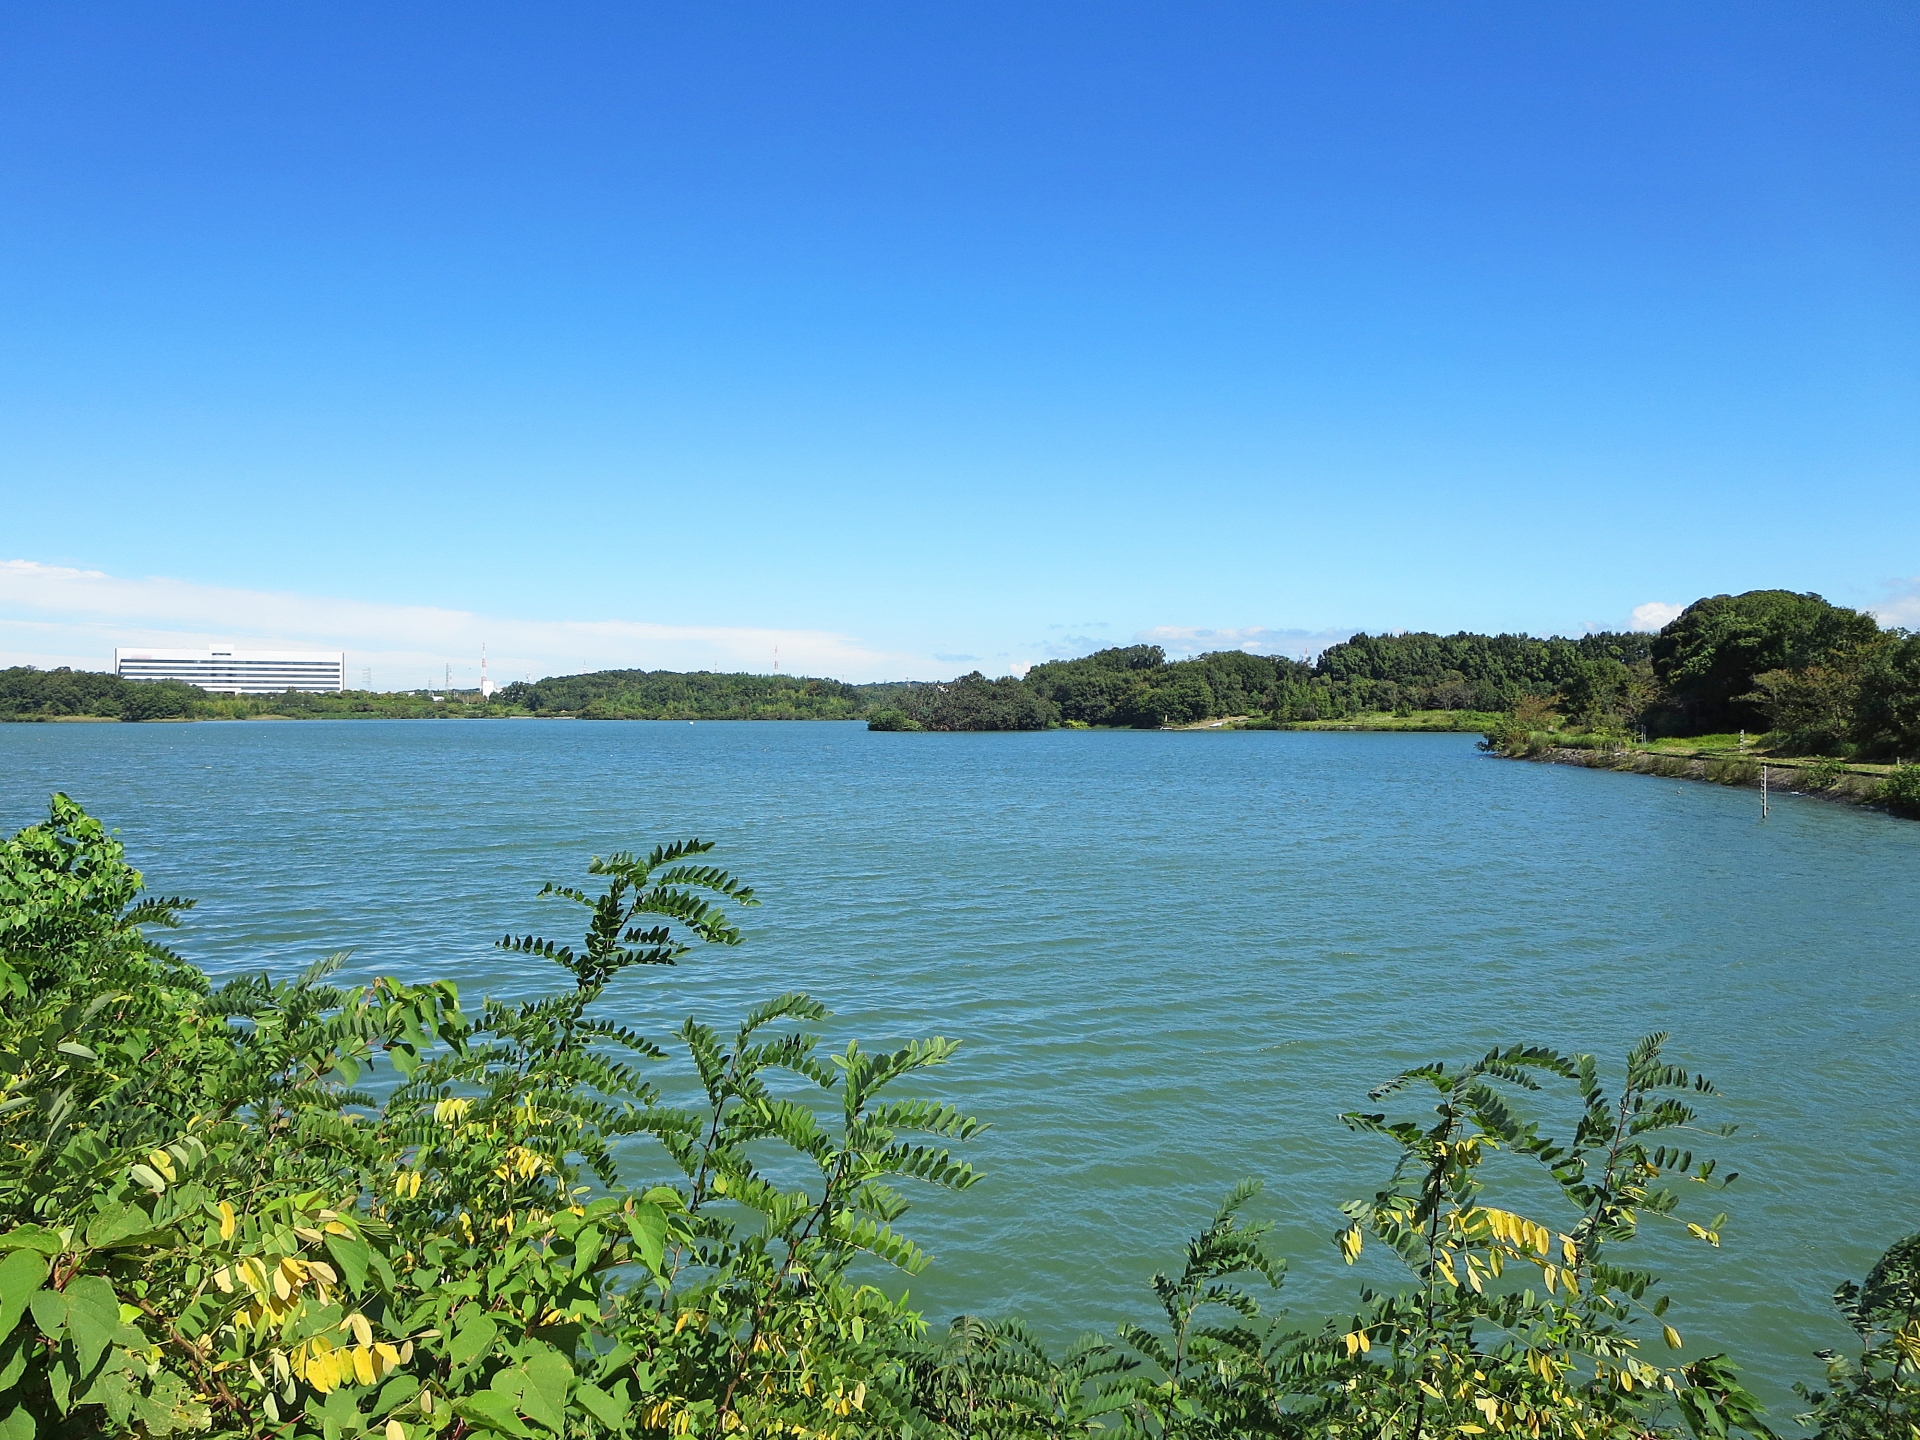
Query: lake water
x: 1174, y: 957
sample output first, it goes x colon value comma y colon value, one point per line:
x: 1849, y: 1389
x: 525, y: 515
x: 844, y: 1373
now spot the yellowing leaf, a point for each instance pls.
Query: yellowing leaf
x: 1672, y: 1337
x: 228, y: 1221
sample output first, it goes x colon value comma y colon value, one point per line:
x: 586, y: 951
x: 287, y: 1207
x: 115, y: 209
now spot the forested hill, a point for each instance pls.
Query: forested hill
x: 699, y: 695
x: 30, y: 694
x: 1823, y: 679
x: 1137, y: 685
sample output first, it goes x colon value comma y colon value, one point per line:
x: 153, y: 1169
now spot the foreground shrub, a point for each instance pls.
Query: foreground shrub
x: 1877, y: 1394
x: 207, y: 1226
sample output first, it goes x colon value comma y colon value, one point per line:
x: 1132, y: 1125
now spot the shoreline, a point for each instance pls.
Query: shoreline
x: 1851, y: 786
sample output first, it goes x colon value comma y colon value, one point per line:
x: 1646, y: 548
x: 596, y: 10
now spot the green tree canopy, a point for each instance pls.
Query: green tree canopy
x: 1709, y: 658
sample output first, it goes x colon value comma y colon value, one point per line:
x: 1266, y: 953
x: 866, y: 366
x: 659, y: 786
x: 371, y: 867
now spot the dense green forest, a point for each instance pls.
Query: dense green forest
x: 1812, y: 678
x: 286, y: 1208
x: 668, y: 695
x: 29, y: 694
x: 1821, y: 679
x: 1137, y: 685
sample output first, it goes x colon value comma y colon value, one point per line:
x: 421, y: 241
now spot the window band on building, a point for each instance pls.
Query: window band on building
x: 238, y: 672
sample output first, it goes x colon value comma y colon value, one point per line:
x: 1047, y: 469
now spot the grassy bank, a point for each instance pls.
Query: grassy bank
x: 1734, y: 760
x: 1472, y: 721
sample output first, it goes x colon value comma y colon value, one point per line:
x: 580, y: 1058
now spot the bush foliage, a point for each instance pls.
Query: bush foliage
x: 288, y: 1208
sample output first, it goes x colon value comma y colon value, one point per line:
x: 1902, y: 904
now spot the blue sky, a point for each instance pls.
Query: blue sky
x: 913, y: 338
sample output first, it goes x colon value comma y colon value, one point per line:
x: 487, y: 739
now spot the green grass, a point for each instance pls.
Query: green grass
x: 1472, y: 721
x: 1701, y: 744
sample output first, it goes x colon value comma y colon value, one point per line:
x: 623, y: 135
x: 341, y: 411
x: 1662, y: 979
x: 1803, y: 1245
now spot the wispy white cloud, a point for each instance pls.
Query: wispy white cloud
x: 1255, y: 640
x: 55, y: 615
x: 1902, y: 605
x: 1654, y: 615
x: 1069, y: 647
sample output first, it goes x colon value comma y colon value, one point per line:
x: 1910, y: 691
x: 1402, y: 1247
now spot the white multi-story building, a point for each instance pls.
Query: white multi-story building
x: 238, y: 672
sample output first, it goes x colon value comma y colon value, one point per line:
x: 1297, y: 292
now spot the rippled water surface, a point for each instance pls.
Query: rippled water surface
x: 1174, y: 958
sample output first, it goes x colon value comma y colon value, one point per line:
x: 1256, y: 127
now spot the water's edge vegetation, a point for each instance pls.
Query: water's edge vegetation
x: 1895, y: 788
x: 286, y: 1208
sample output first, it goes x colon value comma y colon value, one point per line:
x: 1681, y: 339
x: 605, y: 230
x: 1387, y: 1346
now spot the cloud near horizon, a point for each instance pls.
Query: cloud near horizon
x: 1654, y: 615
x: 53, y: 615
x: 1255, y: 640
x: 1902, y: 605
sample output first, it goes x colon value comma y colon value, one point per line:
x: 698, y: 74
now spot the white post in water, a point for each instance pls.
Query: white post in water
x: 1763, y: 792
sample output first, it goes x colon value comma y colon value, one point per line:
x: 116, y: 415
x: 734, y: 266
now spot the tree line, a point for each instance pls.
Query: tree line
x: 287, y: 1208
x: 1823, y: 679
x: 1816, y: 679
x: 1820, y: 678
x: 31, y: 694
